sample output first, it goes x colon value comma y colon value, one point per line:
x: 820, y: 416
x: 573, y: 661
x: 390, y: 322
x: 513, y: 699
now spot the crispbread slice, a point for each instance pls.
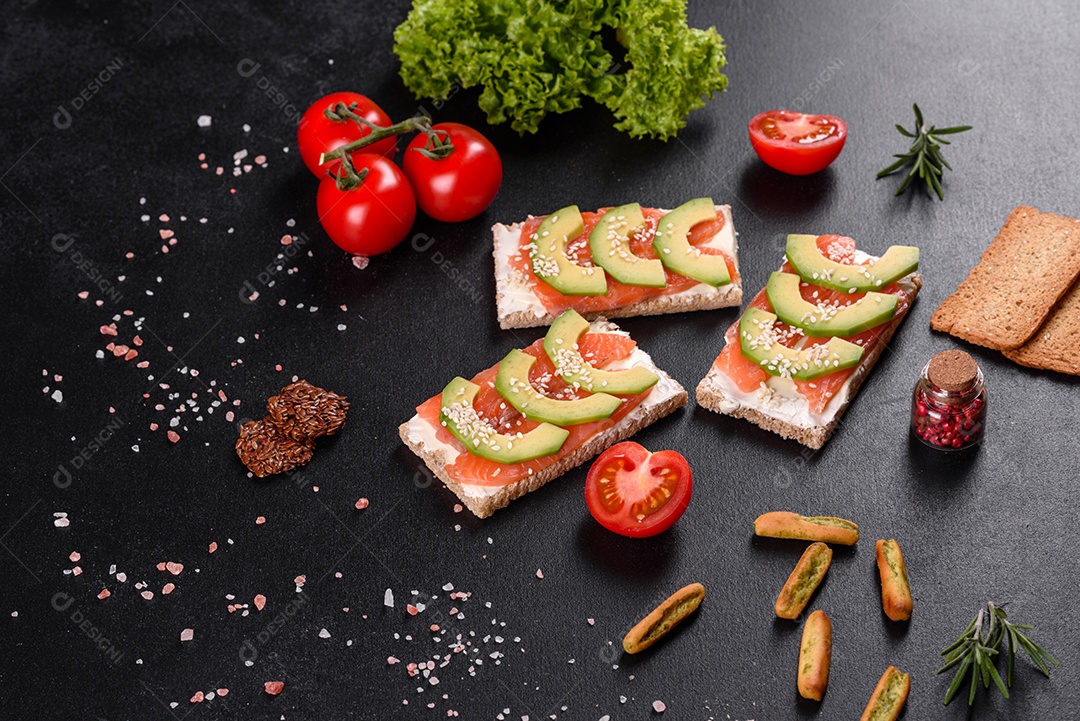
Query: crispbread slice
x: 665, y: 397
x: 1032, y: 262
x: 518, y: 307
x: 1054, y: 347
x: 711, y: 395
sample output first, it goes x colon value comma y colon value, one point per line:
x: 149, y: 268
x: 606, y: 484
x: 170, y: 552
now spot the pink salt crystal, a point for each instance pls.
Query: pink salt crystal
x: 187, y: 634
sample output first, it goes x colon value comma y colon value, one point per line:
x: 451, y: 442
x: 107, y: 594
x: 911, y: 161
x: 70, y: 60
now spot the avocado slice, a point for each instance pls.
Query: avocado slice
x: 461, y: 419
x: 561, y: 345
x: 550, y: 262
x: 810, y: 263
x: 819, y: 321
x: 675, y: 250
x: 512, y: 383
x: 757, y: 342
x: 609, y: 242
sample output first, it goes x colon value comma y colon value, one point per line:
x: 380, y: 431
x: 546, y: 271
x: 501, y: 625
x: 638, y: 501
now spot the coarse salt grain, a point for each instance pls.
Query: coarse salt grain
x: 273, y: 687
x: 361, y: 504
x: 203, y: 121
x: 388, y: 598
x: 187, y: 634
x: 659, y: 706
x: 260, y: 601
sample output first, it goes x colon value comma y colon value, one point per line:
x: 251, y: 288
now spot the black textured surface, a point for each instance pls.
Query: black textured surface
x: 998, y: 524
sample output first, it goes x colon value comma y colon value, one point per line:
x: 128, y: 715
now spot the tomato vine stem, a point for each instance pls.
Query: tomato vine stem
x: 436, y: 147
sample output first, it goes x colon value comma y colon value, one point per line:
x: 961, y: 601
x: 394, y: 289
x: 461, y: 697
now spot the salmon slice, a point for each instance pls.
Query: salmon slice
x: 600, y: 349
x: 748, y: 375
x: 618, y: 295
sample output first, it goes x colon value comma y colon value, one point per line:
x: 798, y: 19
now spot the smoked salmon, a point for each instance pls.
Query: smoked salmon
x: 599, y: 349
x: 749, y: 376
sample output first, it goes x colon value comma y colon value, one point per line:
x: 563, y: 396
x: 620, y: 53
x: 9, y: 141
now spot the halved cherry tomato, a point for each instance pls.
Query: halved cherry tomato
x: 460, y: 186
x: 797, y: 143
x: 373, y: 217
x: 319, y: 134
x: 637, y: 493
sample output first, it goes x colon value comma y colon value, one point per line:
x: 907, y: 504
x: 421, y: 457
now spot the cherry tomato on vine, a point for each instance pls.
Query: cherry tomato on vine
x: 460, y: 186
x: 319, y: 134
x: 374, y: 216
x: 637, y: 493
x: 796, y: 143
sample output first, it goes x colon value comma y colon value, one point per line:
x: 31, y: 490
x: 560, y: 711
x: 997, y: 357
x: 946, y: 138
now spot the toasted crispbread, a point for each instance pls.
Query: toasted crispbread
x: 710, y: 395
x: 1029, y: 266
x: 1054, y: 346
x: 672, y: 396
x: 506, y: 242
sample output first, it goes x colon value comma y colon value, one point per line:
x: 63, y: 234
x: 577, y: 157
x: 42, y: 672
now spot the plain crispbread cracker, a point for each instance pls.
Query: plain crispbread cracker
x: 1054, y: 346
x: 1006, y: 297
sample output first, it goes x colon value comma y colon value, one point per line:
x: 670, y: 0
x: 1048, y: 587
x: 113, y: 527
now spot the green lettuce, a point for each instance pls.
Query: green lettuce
x: 534, y: 57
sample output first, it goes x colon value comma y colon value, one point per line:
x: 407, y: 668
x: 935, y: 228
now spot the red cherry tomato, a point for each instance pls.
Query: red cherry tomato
x: 373, y: 217
x: 637, y: 493
x: 319, y: 134
x: 459, y: 186
x: 797, y: 143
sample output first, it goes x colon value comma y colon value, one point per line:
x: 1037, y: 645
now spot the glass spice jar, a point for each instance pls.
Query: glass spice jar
x: 948, y: 406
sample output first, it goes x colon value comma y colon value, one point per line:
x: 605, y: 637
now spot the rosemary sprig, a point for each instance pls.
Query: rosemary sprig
x: 978, y: 646
x: 924, y: 155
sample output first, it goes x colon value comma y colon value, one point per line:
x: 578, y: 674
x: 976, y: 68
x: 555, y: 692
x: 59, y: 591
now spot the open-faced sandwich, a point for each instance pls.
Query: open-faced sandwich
x: 797, y: 356
x: 617, y: 262
x: 539, y: 412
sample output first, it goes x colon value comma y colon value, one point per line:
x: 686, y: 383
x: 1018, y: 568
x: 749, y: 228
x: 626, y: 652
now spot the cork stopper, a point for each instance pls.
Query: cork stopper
x: 952, y: 370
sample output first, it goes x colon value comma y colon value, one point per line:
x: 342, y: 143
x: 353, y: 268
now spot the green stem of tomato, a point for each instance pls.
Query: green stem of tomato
x: 341, y: 113
x: 347, y: 178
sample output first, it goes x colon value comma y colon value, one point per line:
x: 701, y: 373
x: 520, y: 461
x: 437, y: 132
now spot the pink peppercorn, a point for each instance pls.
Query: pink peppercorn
x: 948, y: 407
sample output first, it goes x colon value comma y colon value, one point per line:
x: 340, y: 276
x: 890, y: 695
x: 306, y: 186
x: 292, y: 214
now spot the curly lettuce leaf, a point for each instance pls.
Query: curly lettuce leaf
x: 534, y: 57
x: 530, y: 60
x: 673, y: 68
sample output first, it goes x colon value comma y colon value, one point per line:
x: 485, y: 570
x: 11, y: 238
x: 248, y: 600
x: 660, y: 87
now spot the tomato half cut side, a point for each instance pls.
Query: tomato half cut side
x: 635, y: 493
x: 797, y: 143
